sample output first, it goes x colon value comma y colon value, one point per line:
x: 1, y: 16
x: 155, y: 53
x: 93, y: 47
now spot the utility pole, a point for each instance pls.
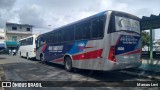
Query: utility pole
x: 151, y: 46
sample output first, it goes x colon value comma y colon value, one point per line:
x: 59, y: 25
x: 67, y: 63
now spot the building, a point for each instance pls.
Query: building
x: 2, y: 40
x: 2, y: 36
x: 14, y: 32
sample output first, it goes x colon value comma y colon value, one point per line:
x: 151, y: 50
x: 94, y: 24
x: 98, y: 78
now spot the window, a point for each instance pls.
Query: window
x: 23, y: 42
x: 1, y: 37
x: 59, y: 36
x: 14, y: 38
x: 48, y: 38
x: 87, y: 30
x: 29, y: 41
x: 14, y: 28
x: 20, y: 27
x: 69, y: 34
x: 97, y: 27
x: 78, y: 32
x: 101, y: 26
x: 28, y: 29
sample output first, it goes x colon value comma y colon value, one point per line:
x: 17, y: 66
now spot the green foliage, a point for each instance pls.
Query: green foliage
x: 145, y: 38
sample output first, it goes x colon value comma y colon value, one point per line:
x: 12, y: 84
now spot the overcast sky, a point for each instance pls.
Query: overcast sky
x: 46, y: 15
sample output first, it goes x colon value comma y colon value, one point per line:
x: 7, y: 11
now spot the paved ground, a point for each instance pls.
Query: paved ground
x: 20, y: 69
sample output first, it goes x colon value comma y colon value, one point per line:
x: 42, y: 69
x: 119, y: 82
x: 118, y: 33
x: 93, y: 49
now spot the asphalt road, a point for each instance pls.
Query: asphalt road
x: 20, y: 69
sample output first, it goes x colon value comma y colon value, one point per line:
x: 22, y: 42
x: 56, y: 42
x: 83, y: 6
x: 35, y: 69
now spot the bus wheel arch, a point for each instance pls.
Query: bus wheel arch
x: 68, y: 63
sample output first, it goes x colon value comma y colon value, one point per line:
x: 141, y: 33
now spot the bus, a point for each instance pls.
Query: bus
x: 27, y: 47
x: 110, y: 40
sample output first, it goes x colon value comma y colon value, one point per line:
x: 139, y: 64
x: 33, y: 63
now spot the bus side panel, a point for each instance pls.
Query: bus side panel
x: 55, y: 52
x: 91, y: 55
x: 85, y: 54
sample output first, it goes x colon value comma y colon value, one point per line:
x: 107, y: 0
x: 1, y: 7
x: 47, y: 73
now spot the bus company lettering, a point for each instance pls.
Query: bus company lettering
x: 81, y: 46
x: 129, y: 40
x: 55, y: 48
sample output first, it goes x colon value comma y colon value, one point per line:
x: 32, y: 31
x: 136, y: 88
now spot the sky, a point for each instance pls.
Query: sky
x: 46, y: 15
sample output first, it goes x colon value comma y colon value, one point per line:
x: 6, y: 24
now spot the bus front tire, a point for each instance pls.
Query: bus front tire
x: 68, y: 64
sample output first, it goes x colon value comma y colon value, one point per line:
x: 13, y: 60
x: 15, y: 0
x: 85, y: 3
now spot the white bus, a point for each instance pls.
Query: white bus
x: 27, y: 47
x: 110, y: 40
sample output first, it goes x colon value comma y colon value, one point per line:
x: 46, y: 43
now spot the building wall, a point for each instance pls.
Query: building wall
x: 20, y: 32
x: 2, y: 34
x: 9, y: 36
x: 20, y: 28
x: 14, y: 32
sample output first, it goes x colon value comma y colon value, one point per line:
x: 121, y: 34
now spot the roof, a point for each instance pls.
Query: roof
x: 19, y: 24
x: 150, y: 22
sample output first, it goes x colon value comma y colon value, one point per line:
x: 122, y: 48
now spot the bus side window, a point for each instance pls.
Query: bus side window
x: 101, y: 26
x: 78, y: 32
x: 86, y: 31
x: 70, y: 33
x: 59, y: 36
x: 95, y: 28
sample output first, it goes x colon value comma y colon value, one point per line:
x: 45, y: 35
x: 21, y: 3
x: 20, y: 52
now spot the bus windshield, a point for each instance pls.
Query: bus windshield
x: 123, y: 23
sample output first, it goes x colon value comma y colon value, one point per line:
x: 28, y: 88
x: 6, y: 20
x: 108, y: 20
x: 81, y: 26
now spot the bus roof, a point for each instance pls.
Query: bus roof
x: 29, y: 37
x: 87, y: 18
x: 76, y: 22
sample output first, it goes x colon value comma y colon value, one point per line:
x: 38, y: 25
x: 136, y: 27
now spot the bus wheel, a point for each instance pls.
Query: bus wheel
x: 68, y: 64
x: 42, y: 60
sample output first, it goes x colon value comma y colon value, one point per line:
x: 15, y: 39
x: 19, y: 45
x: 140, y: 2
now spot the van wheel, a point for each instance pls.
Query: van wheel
x: 27, y: 56
x: 68, y: 64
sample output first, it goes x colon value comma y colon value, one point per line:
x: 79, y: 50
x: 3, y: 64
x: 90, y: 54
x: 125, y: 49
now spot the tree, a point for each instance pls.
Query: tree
x: 145, y: 38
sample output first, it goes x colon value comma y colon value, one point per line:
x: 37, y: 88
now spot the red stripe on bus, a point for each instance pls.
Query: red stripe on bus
x: 88, y: 55
x: 84, y: 56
